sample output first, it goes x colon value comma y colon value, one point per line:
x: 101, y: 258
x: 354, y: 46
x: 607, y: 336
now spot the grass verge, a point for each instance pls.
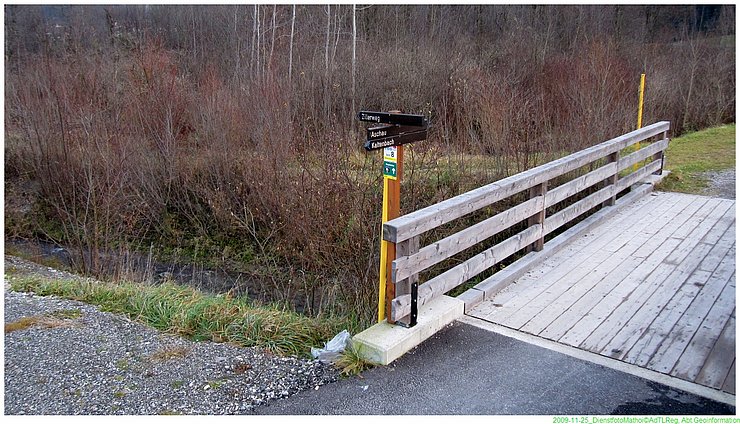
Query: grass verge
x: 188, y: 312
x: 690, y: 156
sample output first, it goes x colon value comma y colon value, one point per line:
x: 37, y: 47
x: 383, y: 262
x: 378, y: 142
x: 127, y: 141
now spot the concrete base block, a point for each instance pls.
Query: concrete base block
x: 383, y: 343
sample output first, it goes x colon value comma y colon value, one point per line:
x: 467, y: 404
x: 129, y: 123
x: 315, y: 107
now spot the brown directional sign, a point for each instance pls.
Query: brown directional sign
x: 383, y: 131
x: 393, y: 118
x: 396, y: 140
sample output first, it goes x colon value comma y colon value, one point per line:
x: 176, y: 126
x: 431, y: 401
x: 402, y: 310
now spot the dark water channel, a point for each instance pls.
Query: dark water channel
x: 143, y: 268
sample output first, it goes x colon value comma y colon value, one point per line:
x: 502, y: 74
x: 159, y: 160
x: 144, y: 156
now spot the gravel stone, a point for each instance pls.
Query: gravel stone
x: 104, y: 363
x: 721, y: 184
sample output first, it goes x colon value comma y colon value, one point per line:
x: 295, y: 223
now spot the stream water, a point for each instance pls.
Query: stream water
x: 143, y: 268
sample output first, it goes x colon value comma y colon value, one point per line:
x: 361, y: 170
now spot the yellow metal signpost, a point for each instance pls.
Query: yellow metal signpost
x: 398, y: 129
x: 639, y: 112
x: 639, y: 105
x: 392, y: 171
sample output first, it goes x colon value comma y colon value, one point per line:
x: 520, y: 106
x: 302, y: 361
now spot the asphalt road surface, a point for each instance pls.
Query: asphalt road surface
x: 470, y: 371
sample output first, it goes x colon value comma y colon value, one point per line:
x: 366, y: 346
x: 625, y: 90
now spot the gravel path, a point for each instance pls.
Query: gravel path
x: 76, y: 359
x: 721, y: 184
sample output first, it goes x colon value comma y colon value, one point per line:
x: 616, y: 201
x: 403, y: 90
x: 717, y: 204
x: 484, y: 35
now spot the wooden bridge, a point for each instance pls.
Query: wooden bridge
x: 605, y: 264
x: 654, y: 286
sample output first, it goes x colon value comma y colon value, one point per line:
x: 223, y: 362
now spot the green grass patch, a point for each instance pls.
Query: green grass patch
x: 123, y: 364
x: 690, y: 156
x: 73, y: 313
x: 352, y: 361
x: 188, y: 312
x: 215, y: 384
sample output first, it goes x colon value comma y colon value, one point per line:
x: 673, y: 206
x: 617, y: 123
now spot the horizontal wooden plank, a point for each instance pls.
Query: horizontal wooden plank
x: 608, y: 315
x: 697, y: 352
x: 437, y: 252
x: 539, y: 313
x: 560, y: 193
x: 433, y: 216
x: 660, y: 328
x: 655, y: 305
x: 721, y: 236
x: 672, y: 269
x: 719, y: 363
x: 674, y: 346
x: 729, y: 384
x: 574, y: 271
x: 577, y: 209
x: 638, y: 175
x: 583, y: 249
x: 437, y: 286
x: 580, y: 287
x: 659, y: 310
x: 425, y: 219
x: 642, y: 154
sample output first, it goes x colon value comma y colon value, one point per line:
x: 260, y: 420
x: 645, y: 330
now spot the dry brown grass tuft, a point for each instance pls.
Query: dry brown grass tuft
x: 242, y: 367
x: 43, y: 321
x: 169, y: 352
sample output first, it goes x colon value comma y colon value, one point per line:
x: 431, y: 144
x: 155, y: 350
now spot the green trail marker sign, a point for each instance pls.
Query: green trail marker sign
x: 390, y: 162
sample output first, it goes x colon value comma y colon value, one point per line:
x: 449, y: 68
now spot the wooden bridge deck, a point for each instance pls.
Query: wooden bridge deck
x: 654, y: 287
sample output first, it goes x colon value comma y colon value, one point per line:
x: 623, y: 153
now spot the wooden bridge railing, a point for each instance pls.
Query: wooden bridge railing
x: 405, y: 230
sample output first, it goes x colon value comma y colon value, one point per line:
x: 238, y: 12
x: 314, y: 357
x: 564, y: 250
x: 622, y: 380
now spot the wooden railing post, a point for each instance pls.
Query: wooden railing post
x: 660, y: 155
x: 390, y: 288
x: 539, y: 217
x: 410, y: 284
x: 394, y: 211
x: 614, y: 157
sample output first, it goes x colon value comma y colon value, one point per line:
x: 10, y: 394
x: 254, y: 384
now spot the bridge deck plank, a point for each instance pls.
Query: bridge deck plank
x: 653, y: 287
x: 613, y: 293
x: 717, y: 366
x: 683, y: 262
x: 598, y: 340
x: 612, y: 288
x: 529, y: 287
x: 660, y: 328
x: 590, y: 282
x: 729, y: 384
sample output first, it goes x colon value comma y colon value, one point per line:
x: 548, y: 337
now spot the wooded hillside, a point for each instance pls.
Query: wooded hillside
x: 227, y: 134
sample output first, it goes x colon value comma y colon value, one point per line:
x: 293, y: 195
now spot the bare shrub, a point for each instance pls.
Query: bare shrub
x: 227, y: 135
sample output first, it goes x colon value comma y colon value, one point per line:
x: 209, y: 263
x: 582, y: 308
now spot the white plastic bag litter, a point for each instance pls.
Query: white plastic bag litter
x: 332, y: 350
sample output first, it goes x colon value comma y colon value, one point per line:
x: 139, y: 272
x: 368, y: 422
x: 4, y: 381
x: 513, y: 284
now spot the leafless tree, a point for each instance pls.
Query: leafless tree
x: 290, y: 54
